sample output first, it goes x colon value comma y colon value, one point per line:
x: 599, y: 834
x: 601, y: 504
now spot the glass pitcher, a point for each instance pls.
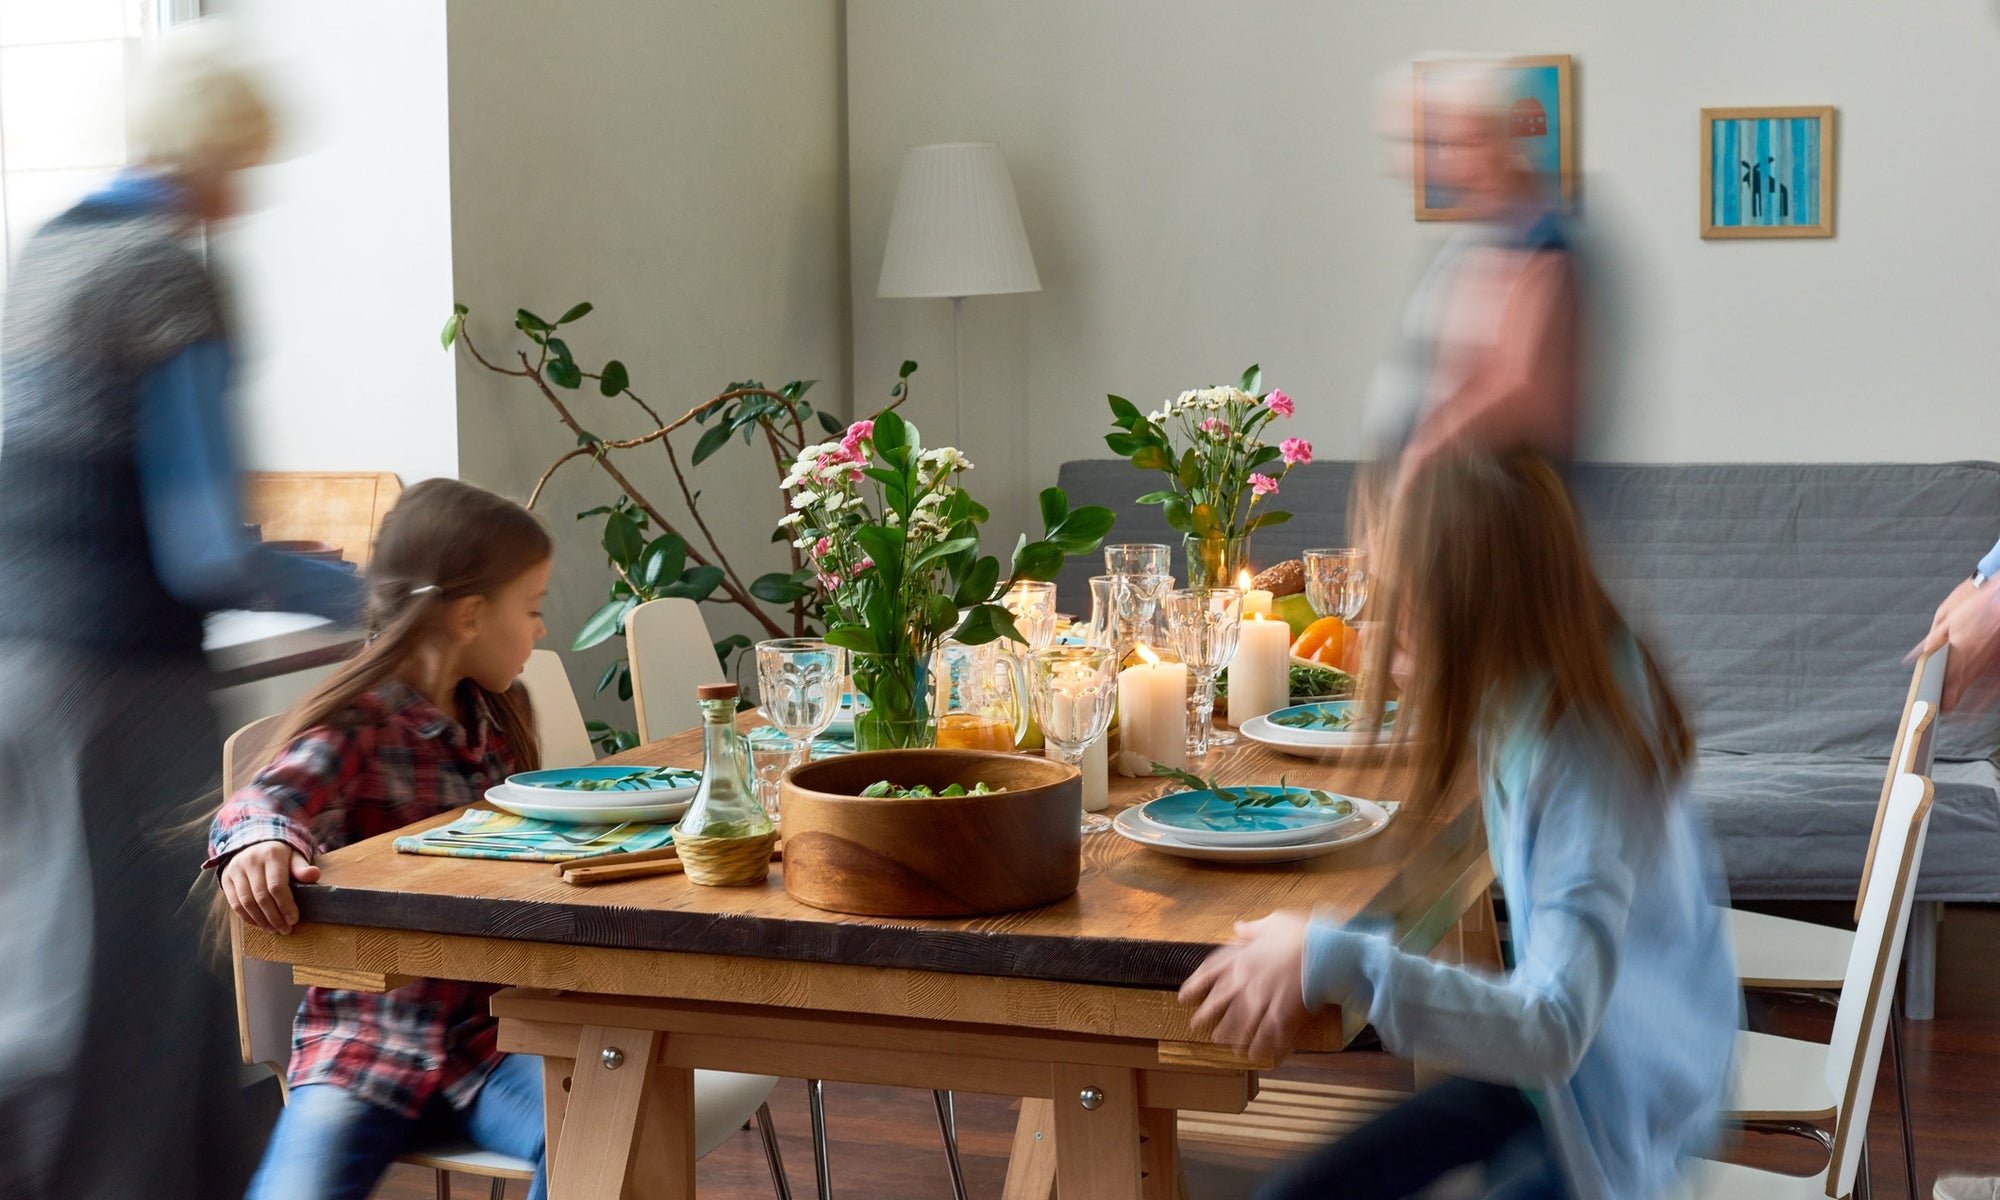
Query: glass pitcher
x: 982, y: 697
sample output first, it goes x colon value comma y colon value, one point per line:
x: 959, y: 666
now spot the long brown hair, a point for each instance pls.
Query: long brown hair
x: 444, y: 540
x: 1483, y: 574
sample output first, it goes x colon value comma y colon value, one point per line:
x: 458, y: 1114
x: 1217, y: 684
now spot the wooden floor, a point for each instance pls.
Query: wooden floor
x: 885, y: 1141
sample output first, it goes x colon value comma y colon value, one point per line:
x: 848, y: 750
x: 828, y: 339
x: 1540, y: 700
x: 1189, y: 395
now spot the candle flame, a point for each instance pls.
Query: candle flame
x: 1146, y: 653
x: 1243, y: 579
x: 1258, y: 617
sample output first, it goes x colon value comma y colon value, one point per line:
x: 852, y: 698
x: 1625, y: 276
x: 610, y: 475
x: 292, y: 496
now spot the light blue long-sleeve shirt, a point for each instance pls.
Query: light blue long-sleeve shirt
x: 188, y: 480
x: 1620, y: 1014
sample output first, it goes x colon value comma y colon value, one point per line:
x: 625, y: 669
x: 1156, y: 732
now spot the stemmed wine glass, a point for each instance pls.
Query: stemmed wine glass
x: 1337, y: 582
x: 1203, y: 624
x: 1073, y: 690
x: 1033, y: 605
x: 1138, y: 558
x: 1125, y: 610
x: 799, y: 681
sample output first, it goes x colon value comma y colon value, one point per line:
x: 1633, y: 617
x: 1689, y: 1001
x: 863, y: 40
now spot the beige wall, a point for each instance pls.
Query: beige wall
x: 680, y: 166
x: 342, y: 270
x: 1202, y: 187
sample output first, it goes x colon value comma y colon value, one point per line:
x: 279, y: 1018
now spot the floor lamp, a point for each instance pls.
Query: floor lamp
x: 956, y: 232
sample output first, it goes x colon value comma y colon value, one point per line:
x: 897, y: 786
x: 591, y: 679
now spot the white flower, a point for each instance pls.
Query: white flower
x: 853, y: 502
x: 892, y: 518
x: 802, y: 543
x: 1157, y: 417
x: 806, y: 498
x: 792, y: 520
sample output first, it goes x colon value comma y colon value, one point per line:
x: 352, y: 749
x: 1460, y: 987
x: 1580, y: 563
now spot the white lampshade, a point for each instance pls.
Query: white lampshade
x: 956, y: 229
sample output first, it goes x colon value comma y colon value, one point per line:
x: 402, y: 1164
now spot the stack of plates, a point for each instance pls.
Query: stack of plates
x: 643, y: 795
x: 1202, y: 825
x: 1312, y: 729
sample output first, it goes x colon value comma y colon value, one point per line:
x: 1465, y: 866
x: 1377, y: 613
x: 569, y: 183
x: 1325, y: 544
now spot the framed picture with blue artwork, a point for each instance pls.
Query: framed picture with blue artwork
x: 1767, y: 172
x: 1540, y: 108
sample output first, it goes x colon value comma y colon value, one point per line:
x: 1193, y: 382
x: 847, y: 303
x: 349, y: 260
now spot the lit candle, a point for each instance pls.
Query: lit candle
x: 1152, y: 714
x: 1260, y: 673
x: 1256, y: 603
x: 1096, y: 775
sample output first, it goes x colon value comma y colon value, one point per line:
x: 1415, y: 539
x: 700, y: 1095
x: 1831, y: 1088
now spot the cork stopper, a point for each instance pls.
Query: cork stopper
x: 716, y: 691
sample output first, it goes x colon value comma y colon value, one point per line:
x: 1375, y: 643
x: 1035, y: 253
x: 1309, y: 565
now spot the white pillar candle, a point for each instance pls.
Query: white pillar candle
x: 1152, y: 715
x: 1096, y: 775
x: 1260, y: 673
x: 1256, y: 602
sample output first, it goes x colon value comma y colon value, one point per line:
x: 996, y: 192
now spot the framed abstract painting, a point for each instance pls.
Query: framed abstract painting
x: 1541, y: 119
x: 1767, y: 172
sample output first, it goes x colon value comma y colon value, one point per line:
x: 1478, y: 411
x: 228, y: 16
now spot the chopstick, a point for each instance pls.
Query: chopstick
x: 610, y: 868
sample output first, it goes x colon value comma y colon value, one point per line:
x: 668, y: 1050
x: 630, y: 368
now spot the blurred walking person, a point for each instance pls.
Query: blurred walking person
x: 120, y: 528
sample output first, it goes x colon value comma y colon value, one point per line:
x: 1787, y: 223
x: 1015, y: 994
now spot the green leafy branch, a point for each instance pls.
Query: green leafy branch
x: 1208, y: 490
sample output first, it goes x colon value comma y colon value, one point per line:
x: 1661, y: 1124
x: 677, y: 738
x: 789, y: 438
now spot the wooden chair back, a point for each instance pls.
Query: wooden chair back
x: 1926, y: 687
x: 266, y: 997
x: 1854, y: 1053
x: 667, y: 643
x: 558, y: 720
x: 340, y: 508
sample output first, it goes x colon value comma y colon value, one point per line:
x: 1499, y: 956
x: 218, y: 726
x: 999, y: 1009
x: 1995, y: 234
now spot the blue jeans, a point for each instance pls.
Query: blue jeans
x: 332, y: 1145
x: 1402, y: 1152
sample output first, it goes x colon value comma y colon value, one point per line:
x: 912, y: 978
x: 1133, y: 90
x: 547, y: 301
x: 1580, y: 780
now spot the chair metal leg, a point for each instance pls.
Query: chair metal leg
x: 773, y: 1157
x: 948, y: 1128
x: 1920, y: 960
x: 1804, y: 1129
x: 1864, y: 1183
x: 816, y: 1106
x: 443, y: 1185
x: 1903, y: 1093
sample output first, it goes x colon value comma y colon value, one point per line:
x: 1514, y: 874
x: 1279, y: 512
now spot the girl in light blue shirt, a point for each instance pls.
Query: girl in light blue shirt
x: 1598, y: 1065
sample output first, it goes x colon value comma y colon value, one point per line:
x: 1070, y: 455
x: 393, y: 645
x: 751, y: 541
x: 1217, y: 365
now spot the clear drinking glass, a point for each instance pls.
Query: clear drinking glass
x: 799, y: 681
x: 1337, y: 582
x: 1125, y: 610
x: 1202, y: 627
x: 771, y: 755
x: 1033, y: 605
x: 1073, y: 690
x: 1138, y: 558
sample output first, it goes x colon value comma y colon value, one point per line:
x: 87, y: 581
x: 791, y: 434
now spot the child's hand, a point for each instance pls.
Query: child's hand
x: 1251, y: 995
x: 257, y: 882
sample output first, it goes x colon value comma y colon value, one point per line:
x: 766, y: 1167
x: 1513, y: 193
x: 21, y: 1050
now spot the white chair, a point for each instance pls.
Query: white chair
x: 558, y: 720
x: 668, y: 648
x: 267, y: 999
x: 1787, y: 1084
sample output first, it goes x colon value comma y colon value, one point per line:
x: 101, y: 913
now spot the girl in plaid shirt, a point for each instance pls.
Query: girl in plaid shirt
x: 422, y: 721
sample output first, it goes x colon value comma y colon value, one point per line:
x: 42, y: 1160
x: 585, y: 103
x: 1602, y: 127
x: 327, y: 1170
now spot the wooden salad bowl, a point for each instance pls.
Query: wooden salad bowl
x: 955, y: 856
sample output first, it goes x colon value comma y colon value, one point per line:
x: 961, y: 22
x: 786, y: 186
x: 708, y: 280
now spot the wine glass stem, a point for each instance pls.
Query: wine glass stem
x: 1204, y: 712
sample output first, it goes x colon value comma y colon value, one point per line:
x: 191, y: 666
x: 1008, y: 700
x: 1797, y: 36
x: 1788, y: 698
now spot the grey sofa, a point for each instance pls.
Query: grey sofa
x: 1781, y: 599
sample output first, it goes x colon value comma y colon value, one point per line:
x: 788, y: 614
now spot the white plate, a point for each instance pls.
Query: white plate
x: 599, y: 808
x: 1285, y: 827
x: 1309, y: 742
x: 1373, y: 819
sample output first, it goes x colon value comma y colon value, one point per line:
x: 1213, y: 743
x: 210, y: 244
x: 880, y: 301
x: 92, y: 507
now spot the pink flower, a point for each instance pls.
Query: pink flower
x: 821, y: 547
x: 1296, y: 451
x: 855, y: 476
x: 1215, y: 426
x: 1263, y: 485
x: 866, y: 563
x: 829, y: 582
x: 856, y: 433
x: 1279, y: 403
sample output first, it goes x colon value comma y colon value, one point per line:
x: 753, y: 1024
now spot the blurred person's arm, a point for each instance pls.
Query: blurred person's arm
x: 1969, y: 622
x: 1523, y: 395
x: 194, y: 511
x: 1538, y: 1020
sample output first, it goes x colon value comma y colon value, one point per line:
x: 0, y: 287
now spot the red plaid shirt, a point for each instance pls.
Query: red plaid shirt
x: 398, y: 760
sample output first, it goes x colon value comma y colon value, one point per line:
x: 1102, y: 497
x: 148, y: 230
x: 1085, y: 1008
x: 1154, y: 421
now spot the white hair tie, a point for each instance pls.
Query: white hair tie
x: 427, y: 588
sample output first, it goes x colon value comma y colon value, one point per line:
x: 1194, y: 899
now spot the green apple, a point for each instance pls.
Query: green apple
x: 1295, y: 611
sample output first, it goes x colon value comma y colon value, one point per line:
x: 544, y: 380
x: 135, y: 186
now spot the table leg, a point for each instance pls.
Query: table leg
x: 555, y: 1104
x: 1097, y: 1132
x: 1031, y: 1166
x: 663, y: 1161
x: 601, y: 1127
x: 1160, y: 1154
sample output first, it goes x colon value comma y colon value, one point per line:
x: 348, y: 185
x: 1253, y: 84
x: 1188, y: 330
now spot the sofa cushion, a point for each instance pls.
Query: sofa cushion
x: 1796, y: 826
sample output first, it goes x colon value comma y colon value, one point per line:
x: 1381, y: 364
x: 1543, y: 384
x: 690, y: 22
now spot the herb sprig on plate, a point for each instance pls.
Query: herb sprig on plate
x: 1306, y: 680
x: 637, y: 781
x: 1319, y: 720
x: 1247, y: 797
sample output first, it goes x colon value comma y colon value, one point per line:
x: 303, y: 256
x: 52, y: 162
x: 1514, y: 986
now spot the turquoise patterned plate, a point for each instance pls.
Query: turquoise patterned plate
x: 1205, y: 819
x: 609, y: 781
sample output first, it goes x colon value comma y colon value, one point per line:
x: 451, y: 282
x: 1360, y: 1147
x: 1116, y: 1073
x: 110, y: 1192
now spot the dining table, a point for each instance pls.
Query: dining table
x: 625, y: 989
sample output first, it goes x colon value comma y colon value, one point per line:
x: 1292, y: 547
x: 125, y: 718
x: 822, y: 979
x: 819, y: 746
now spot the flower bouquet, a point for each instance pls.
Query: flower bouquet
x: 1207, y: 443
x: 893, y: 537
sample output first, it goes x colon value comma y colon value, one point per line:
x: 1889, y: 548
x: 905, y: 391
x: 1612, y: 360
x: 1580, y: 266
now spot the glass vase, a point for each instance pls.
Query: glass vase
x: 1214, y: 560
x: 898, y: 688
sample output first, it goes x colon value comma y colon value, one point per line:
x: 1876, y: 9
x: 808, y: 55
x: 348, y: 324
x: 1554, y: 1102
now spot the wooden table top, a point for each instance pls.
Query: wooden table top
x: 1138, y: 918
